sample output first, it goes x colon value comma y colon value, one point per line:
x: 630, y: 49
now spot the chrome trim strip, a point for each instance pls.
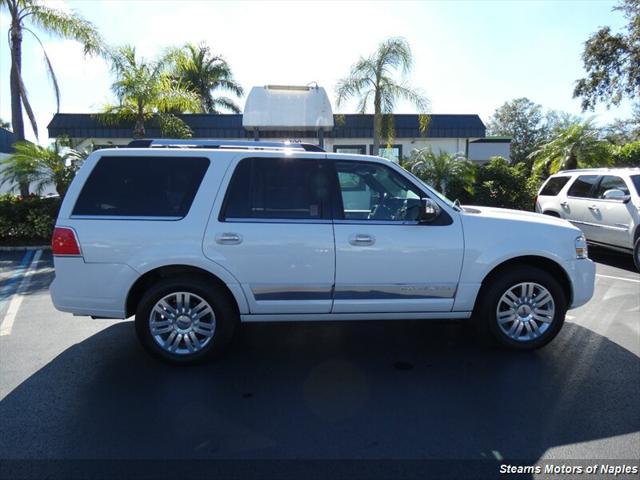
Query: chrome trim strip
x: 395, y: 291
x: 291, y: 292
x: 617, y: 229
x: 404, y: 291
x: 277, y: 220
x: 376, y: 222
x: 125, y: 217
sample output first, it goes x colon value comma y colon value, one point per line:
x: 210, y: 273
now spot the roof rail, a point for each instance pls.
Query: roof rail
x: 230, y: 144
x: 597, y: 169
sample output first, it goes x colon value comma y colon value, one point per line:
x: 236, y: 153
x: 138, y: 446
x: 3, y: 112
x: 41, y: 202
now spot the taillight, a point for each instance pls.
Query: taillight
x: 64, y: 242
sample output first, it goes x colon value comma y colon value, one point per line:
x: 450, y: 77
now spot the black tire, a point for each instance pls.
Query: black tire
x: 636, y: 254
x: 226, y: 318
x: 485, y: 314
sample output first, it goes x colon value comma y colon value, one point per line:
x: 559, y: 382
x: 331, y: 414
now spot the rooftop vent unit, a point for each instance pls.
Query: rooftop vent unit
x: 288, y: 107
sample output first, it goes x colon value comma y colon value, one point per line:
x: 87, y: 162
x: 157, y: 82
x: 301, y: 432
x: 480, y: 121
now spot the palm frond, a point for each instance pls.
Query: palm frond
x: 67, y: 25
x: 50, y: 71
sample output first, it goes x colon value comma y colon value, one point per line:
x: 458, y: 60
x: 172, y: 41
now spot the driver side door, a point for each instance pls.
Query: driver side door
x: 386, y: 261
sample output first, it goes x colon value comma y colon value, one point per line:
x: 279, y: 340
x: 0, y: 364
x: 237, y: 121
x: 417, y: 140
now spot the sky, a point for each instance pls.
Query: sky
x: 469, y: 56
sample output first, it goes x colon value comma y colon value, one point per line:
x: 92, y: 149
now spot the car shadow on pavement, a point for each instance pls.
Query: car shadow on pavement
x: 612, y: 258
x: 377, y: 390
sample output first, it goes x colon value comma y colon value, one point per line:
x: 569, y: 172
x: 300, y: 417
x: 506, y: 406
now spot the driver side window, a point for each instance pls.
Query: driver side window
x: 372, y: 191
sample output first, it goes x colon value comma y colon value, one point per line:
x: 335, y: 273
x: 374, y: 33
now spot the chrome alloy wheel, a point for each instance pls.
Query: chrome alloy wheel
x: 182, y: 323
x: 525, y: 311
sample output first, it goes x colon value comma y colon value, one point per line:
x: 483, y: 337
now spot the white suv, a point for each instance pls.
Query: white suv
x: 603, y: 202
x: 193, y: 237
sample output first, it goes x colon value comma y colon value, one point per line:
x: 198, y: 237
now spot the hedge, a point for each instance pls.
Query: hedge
x: 27, y: 220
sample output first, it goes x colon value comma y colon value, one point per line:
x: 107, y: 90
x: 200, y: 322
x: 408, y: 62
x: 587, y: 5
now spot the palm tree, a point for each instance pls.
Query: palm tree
x: 144, y: 90
x: 54, y: 165
x: 198, y: 70
x: 440, y: 169
x: 371, y: 81
x: 54, y: 22
x: 573, y: 145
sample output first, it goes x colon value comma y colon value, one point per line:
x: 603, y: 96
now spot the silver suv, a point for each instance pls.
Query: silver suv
x: 604, y: 203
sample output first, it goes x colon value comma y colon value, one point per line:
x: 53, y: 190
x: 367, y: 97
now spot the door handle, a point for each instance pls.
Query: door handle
x: 228, y: 238
x: 593, y: 207
x: 564, y: 204
x: 361, y: 240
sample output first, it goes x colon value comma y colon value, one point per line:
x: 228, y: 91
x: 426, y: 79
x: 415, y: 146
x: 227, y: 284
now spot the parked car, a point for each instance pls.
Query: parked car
x: 604, y: 203
x: 193, y: 237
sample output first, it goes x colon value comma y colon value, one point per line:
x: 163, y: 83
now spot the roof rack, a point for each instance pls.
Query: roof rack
x: 597, y: 169
x: 222, y: 144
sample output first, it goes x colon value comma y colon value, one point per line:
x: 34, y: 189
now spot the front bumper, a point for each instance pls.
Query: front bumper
x: 582, y: 273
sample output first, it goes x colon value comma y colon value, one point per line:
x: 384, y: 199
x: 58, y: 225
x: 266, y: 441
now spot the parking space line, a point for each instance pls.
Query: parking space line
x: 618, y: 278
x: 6, y: 325
x: 8, y: 289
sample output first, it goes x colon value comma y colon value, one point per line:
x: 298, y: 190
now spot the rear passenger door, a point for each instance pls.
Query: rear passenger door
x: 580, y: 203
x: 612, y: 217
x: 272, y: 230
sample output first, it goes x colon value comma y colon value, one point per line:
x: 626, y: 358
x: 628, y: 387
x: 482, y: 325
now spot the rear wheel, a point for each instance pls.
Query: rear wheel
x: 636, y: 254
x: 185, y: 320
x: 522, y: 308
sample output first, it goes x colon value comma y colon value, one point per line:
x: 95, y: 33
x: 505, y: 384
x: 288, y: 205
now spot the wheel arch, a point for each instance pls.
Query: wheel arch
x: 144, y: 282
x: 543, y: 263
x: 551, y: 213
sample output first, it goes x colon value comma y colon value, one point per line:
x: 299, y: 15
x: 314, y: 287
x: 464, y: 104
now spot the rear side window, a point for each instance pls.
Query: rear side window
x: 278, y: 188
x: 611, y: 182
x: 583, y: 186
x: 636, y: 183
x: 553, y: 186
x: 141, y: 186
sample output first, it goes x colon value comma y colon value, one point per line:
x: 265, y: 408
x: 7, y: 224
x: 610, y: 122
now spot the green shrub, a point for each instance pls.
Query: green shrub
x: 500, y: 184
x: 27, y: 220
x: 626, y: 155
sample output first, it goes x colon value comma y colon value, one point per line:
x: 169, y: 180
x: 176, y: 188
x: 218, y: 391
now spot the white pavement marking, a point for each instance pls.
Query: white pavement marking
x: 7, y: 324
x: 618, y: 278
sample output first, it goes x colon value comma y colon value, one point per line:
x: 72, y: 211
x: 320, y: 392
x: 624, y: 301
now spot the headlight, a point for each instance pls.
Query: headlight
x: 581, y: 247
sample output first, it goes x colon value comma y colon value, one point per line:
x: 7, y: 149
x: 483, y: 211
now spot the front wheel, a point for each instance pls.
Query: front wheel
x: 185, y: 320
x: 522, y: 308
x: 636, y: 254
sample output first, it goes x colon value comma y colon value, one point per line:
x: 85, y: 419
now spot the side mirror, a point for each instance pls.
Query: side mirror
x: 429, y: 210
x: 616, y: 194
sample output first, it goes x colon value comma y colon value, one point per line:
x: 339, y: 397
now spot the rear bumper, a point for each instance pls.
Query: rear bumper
x: 95, y: 289
x: 583, y: 277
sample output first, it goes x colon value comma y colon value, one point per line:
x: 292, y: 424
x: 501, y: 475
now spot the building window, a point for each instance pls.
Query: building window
x: 352, y: 149
x: 394, y: 153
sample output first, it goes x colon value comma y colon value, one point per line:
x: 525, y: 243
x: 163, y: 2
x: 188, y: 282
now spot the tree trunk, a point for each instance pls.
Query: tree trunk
x: 138, y: 130
x: 17, y: 121
x: 377, y: 124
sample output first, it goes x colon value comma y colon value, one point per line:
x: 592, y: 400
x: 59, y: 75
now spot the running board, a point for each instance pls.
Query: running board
x: 316, y: 317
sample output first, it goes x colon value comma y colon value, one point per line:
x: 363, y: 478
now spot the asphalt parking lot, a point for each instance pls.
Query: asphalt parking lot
x: 76, y: 388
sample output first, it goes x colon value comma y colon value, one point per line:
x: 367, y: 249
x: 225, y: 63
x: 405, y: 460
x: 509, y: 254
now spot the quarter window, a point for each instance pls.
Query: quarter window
x: 141, y: 186
x: 611, y: 182
x: 583, y: 186
x: 278, y: 188
x: 553, y: 186
x: 371, y: 191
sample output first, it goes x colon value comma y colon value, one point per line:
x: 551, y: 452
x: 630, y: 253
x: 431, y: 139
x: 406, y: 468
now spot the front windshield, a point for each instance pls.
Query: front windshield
x: 453, y: 205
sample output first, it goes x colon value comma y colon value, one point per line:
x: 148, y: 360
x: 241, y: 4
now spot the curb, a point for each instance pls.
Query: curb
x: 26, y: 247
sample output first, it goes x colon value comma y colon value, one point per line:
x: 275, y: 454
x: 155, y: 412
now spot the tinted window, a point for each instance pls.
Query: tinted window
x: 583, y: 186
x: 636, y: 183
x: 278, y: 188
x: 141, y: 186
x: 554, y: 185
x: 611, y: 182
x: 375, y: 192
